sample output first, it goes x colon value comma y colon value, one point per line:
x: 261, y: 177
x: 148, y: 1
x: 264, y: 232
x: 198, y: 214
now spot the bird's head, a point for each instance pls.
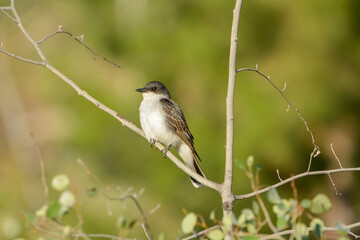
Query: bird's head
x: 154, y: 89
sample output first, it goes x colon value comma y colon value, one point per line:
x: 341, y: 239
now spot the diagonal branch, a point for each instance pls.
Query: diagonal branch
x: 83, y: 93
x: 312, y: 173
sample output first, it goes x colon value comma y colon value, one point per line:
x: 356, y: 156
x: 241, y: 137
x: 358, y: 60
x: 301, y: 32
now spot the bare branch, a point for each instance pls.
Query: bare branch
x: 326, y: 229
x: 333, y: 184
x: 3, y: 9
x: 81, y: 92
x: 316, y: 150
x: 80, y: 41
x: 124, y: 197
x: 22, y: 59
x: 333, y: 151
x: 227, y: 195
x: 312, y: 173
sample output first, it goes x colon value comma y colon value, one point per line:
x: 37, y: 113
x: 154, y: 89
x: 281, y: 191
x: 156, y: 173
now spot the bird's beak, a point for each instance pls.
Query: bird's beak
x: 141, y: 90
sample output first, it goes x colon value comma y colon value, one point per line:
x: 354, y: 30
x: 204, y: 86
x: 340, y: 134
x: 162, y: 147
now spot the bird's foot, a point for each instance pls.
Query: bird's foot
x: 165, y: 150
x: 152, y: 142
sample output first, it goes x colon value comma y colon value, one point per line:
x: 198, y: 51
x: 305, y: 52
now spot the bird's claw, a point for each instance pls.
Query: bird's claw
x: 165, y: 150
x: 152, y: 142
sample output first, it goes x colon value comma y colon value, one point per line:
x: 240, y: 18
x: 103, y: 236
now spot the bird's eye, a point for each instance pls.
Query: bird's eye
x: 153, y: 89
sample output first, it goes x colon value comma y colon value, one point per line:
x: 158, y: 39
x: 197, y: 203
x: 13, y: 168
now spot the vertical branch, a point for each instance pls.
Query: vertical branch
x: 227, y: 195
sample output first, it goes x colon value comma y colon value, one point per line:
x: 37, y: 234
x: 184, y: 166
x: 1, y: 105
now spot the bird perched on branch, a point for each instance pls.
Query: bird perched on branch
x: 162, y: 120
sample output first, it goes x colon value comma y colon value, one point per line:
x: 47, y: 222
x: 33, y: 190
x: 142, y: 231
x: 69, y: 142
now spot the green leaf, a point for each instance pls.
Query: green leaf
x: 251, y: 228
x: 273, y: 196
x: 239, y: 164
x: 132, y: 223
x: 250, y: 238
x: 305, y: 203
x: 121, y: 222
x: 216, y: 234
x: 320, y: 204
x: 53, y: 210
x: 250, y: 161
x: 212, y: 216
x: 317, y: 226
x: 281, y: 223
x: 31, y: 217
x: 341, y: 229
x: 188, y: 223
x: 301, y: 231
x: 92, y: 192
x: 255, y: 207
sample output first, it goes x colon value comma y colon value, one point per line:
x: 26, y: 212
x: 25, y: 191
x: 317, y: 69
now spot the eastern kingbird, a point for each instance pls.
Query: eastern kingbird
x: 163, y: 121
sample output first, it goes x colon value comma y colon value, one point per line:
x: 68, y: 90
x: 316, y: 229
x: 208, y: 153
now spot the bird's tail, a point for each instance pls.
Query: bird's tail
x: 196, y: 168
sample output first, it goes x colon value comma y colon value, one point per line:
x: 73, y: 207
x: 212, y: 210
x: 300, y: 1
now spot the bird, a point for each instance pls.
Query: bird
x: 162, y: 120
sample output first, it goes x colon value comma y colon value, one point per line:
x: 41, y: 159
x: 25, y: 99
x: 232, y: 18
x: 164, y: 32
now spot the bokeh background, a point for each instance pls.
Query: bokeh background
x: 313, y: 46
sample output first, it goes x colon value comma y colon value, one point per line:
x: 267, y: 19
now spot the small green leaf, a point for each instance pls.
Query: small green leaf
x: 281, y: 223
x: 301, y: 231
x: 121, y: 222
x: 250, y: 238
x: 53, y: 210
x: 341, y: 229
x: 60, y: 182
x: 251, y: 228
x: 279, y: 210
x: 248, y: 213
x: 250, y: 161
x: 256, y: 207
x: 317, y: 226
x: 273, y: 196
x: 132, y: 223
x: 320, y: 204
x: 239, y: 164
x: 216, y: 234
x: 31, y: 217
x: 212, y: 216
x: 92, y: 192
x: 188, y: 223
x: 305, y: 203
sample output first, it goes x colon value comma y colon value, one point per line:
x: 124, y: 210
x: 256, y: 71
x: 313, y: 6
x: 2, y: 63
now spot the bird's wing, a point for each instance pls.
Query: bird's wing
x: 177, y: 120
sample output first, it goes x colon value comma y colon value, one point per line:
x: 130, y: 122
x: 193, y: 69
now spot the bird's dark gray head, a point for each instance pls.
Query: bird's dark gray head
x: 154, y: 87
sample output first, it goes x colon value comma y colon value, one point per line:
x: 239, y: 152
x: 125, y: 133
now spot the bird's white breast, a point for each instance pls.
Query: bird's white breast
x: 154, y: 121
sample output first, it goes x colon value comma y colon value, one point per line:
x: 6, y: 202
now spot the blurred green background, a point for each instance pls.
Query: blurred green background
x: 313, y: 46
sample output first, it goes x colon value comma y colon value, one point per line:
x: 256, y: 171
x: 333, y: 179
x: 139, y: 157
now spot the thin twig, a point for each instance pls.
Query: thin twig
x: 146, y: 231
x: 3, y: 9
x: 197, y: 235
x: 290, y: 231
x: 80, y: 41
x: 312, y: 173
x: 21, y: 58
x: 316, y: 150
x: 333, y: 151
x: 254, y: 182
x: 125, y: 122
x: 333, y: 184
x: 142, y: 213
x: 42, y: 169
